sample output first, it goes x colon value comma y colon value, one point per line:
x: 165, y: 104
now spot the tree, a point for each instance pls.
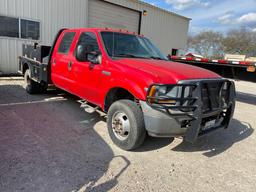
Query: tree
x: 207, y: 44
x: 214, y: 44
x: 240, y: 41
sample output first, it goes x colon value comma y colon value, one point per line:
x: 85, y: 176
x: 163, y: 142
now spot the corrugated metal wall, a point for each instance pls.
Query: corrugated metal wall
x: 167, y: 30
x: 103, y: 14
x: 52, y: 14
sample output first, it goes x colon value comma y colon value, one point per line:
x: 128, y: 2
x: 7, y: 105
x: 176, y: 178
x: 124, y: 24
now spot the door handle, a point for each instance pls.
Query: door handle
x: 69, y: 65
x: 54, y: 62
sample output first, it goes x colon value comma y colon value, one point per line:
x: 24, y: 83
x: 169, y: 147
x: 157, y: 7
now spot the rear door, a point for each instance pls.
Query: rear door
x: 87, y: 76
x: 61, y: 64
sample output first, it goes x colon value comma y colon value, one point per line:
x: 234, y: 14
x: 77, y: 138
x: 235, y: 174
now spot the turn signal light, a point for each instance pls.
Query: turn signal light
x: 152, y: 93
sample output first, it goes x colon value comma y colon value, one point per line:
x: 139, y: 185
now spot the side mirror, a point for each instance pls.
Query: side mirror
x: 94, y: 57
x: 84, y: 54
x: 81, y: 53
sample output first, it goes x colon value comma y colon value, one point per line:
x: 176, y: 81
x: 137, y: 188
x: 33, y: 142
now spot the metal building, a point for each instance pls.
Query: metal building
x: 26, y: 21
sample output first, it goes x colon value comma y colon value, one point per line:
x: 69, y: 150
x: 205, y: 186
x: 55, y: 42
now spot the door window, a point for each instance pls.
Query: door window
x: 89, y: 41
x: 66, y: 42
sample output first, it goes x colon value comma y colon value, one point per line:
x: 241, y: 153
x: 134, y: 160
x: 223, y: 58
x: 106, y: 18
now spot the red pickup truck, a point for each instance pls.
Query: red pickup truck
x: 126, y: 76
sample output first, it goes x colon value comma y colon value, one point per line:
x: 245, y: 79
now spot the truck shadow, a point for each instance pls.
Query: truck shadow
x: 219, y: 141
x: 15, y: 94
x: 51, y: 146
x: 154, y: 143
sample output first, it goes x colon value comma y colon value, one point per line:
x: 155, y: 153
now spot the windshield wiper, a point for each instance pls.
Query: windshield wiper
x: 129, y: 56
x: 135, y: 56
x: 157, y: 58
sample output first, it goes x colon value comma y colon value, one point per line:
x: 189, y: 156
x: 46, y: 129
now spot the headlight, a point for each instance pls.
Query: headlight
x: 172, y: 98
x: 162, y: 94
x: 169, y: 94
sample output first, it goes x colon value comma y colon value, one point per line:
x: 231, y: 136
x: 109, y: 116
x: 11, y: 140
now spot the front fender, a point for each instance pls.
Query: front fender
x: 137, y: 90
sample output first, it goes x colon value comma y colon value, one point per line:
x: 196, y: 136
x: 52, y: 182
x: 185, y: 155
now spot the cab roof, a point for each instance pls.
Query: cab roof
x: 98, y: 30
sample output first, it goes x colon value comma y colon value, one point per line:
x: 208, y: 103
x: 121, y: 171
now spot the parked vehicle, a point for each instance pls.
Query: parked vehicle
x: 133, y: 82
x: 242, y: 70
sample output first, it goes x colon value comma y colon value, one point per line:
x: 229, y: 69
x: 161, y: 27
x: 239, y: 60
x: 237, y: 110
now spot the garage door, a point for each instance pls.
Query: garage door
x: 103, y: 14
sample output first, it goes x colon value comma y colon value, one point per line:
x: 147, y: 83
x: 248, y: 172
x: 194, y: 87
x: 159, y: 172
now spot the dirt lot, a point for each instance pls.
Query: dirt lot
x: 47, y: 143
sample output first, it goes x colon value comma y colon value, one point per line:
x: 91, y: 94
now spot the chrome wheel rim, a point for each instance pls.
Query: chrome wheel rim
x: 121, y: 125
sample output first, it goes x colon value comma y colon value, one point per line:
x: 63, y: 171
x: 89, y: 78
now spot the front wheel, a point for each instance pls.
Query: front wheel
x: 126, y: 124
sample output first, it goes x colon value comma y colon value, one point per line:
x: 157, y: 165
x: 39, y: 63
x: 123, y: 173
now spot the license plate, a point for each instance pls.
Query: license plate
x: 209, y: 125
x: 251, y: 69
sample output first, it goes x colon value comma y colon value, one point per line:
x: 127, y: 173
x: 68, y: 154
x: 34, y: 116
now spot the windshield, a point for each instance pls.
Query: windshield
x: 131, y: 46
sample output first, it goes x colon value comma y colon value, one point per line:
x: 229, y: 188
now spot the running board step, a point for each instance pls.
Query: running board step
x: 87, y: 107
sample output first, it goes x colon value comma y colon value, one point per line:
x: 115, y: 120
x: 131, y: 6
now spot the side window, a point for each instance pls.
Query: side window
x: 66, y: 42
x: 9, y: 27
x: 89, y: 41
x: 30, y: 29
x: 19, y: 28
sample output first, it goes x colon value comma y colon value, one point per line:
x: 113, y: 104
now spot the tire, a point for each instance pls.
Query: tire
x: 44, y: 88
x: 31, y: 86
x: 130, y: 114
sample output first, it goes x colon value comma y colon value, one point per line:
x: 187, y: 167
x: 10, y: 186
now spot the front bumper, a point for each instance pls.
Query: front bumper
x: 159, y: 122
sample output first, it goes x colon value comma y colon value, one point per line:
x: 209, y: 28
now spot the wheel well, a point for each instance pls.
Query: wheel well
x: 116, y: 94
x: 24, y: 68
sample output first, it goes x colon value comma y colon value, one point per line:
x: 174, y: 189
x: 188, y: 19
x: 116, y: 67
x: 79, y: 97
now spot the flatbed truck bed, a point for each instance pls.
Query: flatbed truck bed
x: 241, y: 70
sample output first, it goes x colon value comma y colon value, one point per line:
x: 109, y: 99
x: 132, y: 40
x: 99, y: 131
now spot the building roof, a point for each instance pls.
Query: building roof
x: 194, y: 55
x: 159, y: 8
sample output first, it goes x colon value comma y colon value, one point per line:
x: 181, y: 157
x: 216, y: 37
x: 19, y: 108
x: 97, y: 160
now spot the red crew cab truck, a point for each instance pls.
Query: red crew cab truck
x: 133, y: 82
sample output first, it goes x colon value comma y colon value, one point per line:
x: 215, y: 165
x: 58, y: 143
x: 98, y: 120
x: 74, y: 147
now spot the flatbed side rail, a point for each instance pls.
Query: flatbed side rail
x: 212, y: 61
x: 241, y: 70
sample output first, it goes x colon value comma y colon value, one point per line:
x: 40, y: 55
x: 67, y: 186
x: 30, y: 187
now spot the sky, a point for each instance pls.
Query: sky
x: 216, y: 15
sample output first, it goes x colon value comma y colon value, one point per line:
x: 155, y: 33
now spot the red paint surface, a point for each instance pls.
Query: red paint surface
x: 133, y: 75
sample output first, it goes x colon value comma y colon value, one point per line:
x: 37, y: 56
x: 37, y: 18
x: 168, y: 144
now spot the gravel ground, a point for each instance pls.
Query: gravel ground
x: 47, y: 143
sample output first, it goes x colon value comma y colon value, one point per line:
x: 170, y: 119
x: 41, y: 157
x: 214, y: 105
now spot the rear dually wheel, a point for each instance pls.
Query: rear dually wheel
x: 31, y: 86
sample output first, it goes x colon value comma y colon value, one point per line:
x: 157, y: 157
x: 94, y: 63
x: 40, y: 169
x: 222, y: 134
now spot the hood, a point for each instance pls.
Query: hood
x: 168, y: 71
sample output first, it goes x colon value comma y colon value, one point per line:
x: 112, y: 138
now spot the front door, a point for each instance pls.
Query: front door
x: 87, y: 76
